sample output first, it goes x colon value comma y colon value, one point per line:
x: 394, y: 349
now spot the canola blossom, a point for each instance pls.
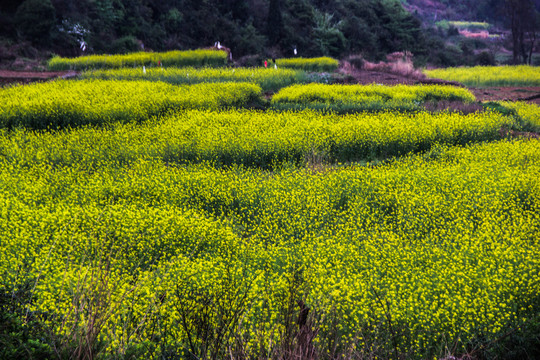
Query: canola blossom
x: 183, y: 227
x: 267, y: 79
x: 196, y: 58
x: 66, y: 103
x: 320, y: 64
x: 254, y: 138
x: 408, y: 257
x: 529, y: 114
x: 486, y: 76
x: 349, y: 98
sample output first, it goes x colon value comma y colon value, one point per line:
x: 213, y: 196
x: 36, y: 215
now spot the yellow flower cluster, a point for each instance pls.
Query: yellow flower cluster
x: 529, y: 114
x: 485, y: 76
x: 309, y: 64
x: 268, y: 79
x: 428, y: 252
x: 202, y: 232
x: 65, y: 103
x: 445, y: 24
x: 256, y: 139
x: 367, y: 97
x: 171, y: 58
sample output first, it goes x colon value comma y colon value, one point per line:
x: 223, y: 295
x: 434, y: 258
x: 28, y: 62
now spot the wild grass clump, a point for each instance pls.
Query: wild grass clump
x: 194, y: 58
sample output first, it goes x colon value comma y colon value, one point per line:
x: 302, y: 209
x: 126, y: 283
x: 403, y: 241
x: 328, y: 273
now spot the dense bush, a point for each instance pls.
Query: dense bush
x: 35, y: 19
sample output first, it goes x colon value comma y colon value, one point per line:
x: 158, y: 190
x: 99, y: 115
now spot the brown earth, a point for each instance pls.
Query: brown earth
x: 25, y: 77
x: 520, y: 93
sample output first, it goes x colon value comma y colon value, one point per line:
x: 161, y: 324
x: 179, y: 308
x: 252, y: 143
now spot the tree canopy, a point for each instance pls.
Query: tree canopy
x: 313, y: 27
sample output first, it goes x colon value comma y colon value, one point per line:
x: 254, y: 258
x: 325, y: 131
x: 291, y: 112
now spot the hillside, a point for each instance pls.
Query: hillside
x: 252, y: 29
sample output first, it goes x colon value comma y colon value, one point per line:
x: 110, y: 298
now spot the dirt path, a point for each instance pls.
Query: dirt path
x: 521, y: 93
x: 25, y: 77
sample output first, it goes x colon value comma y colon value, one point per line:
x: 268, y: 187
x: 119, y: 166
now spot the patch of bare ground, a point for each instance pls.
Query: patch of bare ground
x: 520, y: 93
x: 390, y: 73
x: 26, y: 77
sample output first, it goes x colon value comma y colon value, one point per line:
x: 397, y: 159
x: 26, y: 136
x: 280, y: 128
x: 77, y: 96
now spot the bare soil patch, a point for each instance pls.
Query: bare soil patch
x: 25, y: 77
x: 365, y: 77
x: 521, y: 93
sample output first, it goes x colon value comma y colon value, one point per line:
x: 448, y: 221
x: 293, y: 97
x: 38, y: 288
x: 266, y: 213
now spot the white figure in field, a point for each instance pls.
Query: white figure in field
x: 295, y: 52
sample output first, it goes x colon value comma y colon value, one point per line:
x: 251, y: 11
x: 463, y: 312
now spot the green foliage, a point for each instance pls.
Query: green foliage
x: 124, y: 45
x: 21, y: 332
x: 327, y: 35
x: 274, y: 22
x: 269, y: 28
x: 35, y: 19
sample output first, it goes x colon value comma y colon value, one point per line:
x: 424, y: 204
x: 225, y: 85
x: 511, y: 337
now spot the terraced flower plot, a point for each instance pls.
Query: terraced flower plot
x: 197, y: 58
x: 74, y: 103
x: 141, y: 219
x: 485, y: 76
x: 267, y: 79
x: 375, y: 97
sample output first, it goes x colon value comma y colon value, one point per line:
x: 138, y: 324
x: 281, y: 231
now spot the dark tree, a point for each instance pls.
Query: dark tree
x: 35, y: 19
x: 274, y: 22
x: 523, y: 19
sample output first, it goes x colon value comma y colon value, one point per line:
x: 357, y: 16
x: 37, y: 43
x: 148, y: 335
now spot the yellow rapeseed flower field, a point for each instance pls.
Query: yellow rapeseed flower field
x: 72, y: 103
x: 175, y: 58
x: 443, y: 245
x: 183, y: 227
x: 268, y: 79
x: 485, y: 76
